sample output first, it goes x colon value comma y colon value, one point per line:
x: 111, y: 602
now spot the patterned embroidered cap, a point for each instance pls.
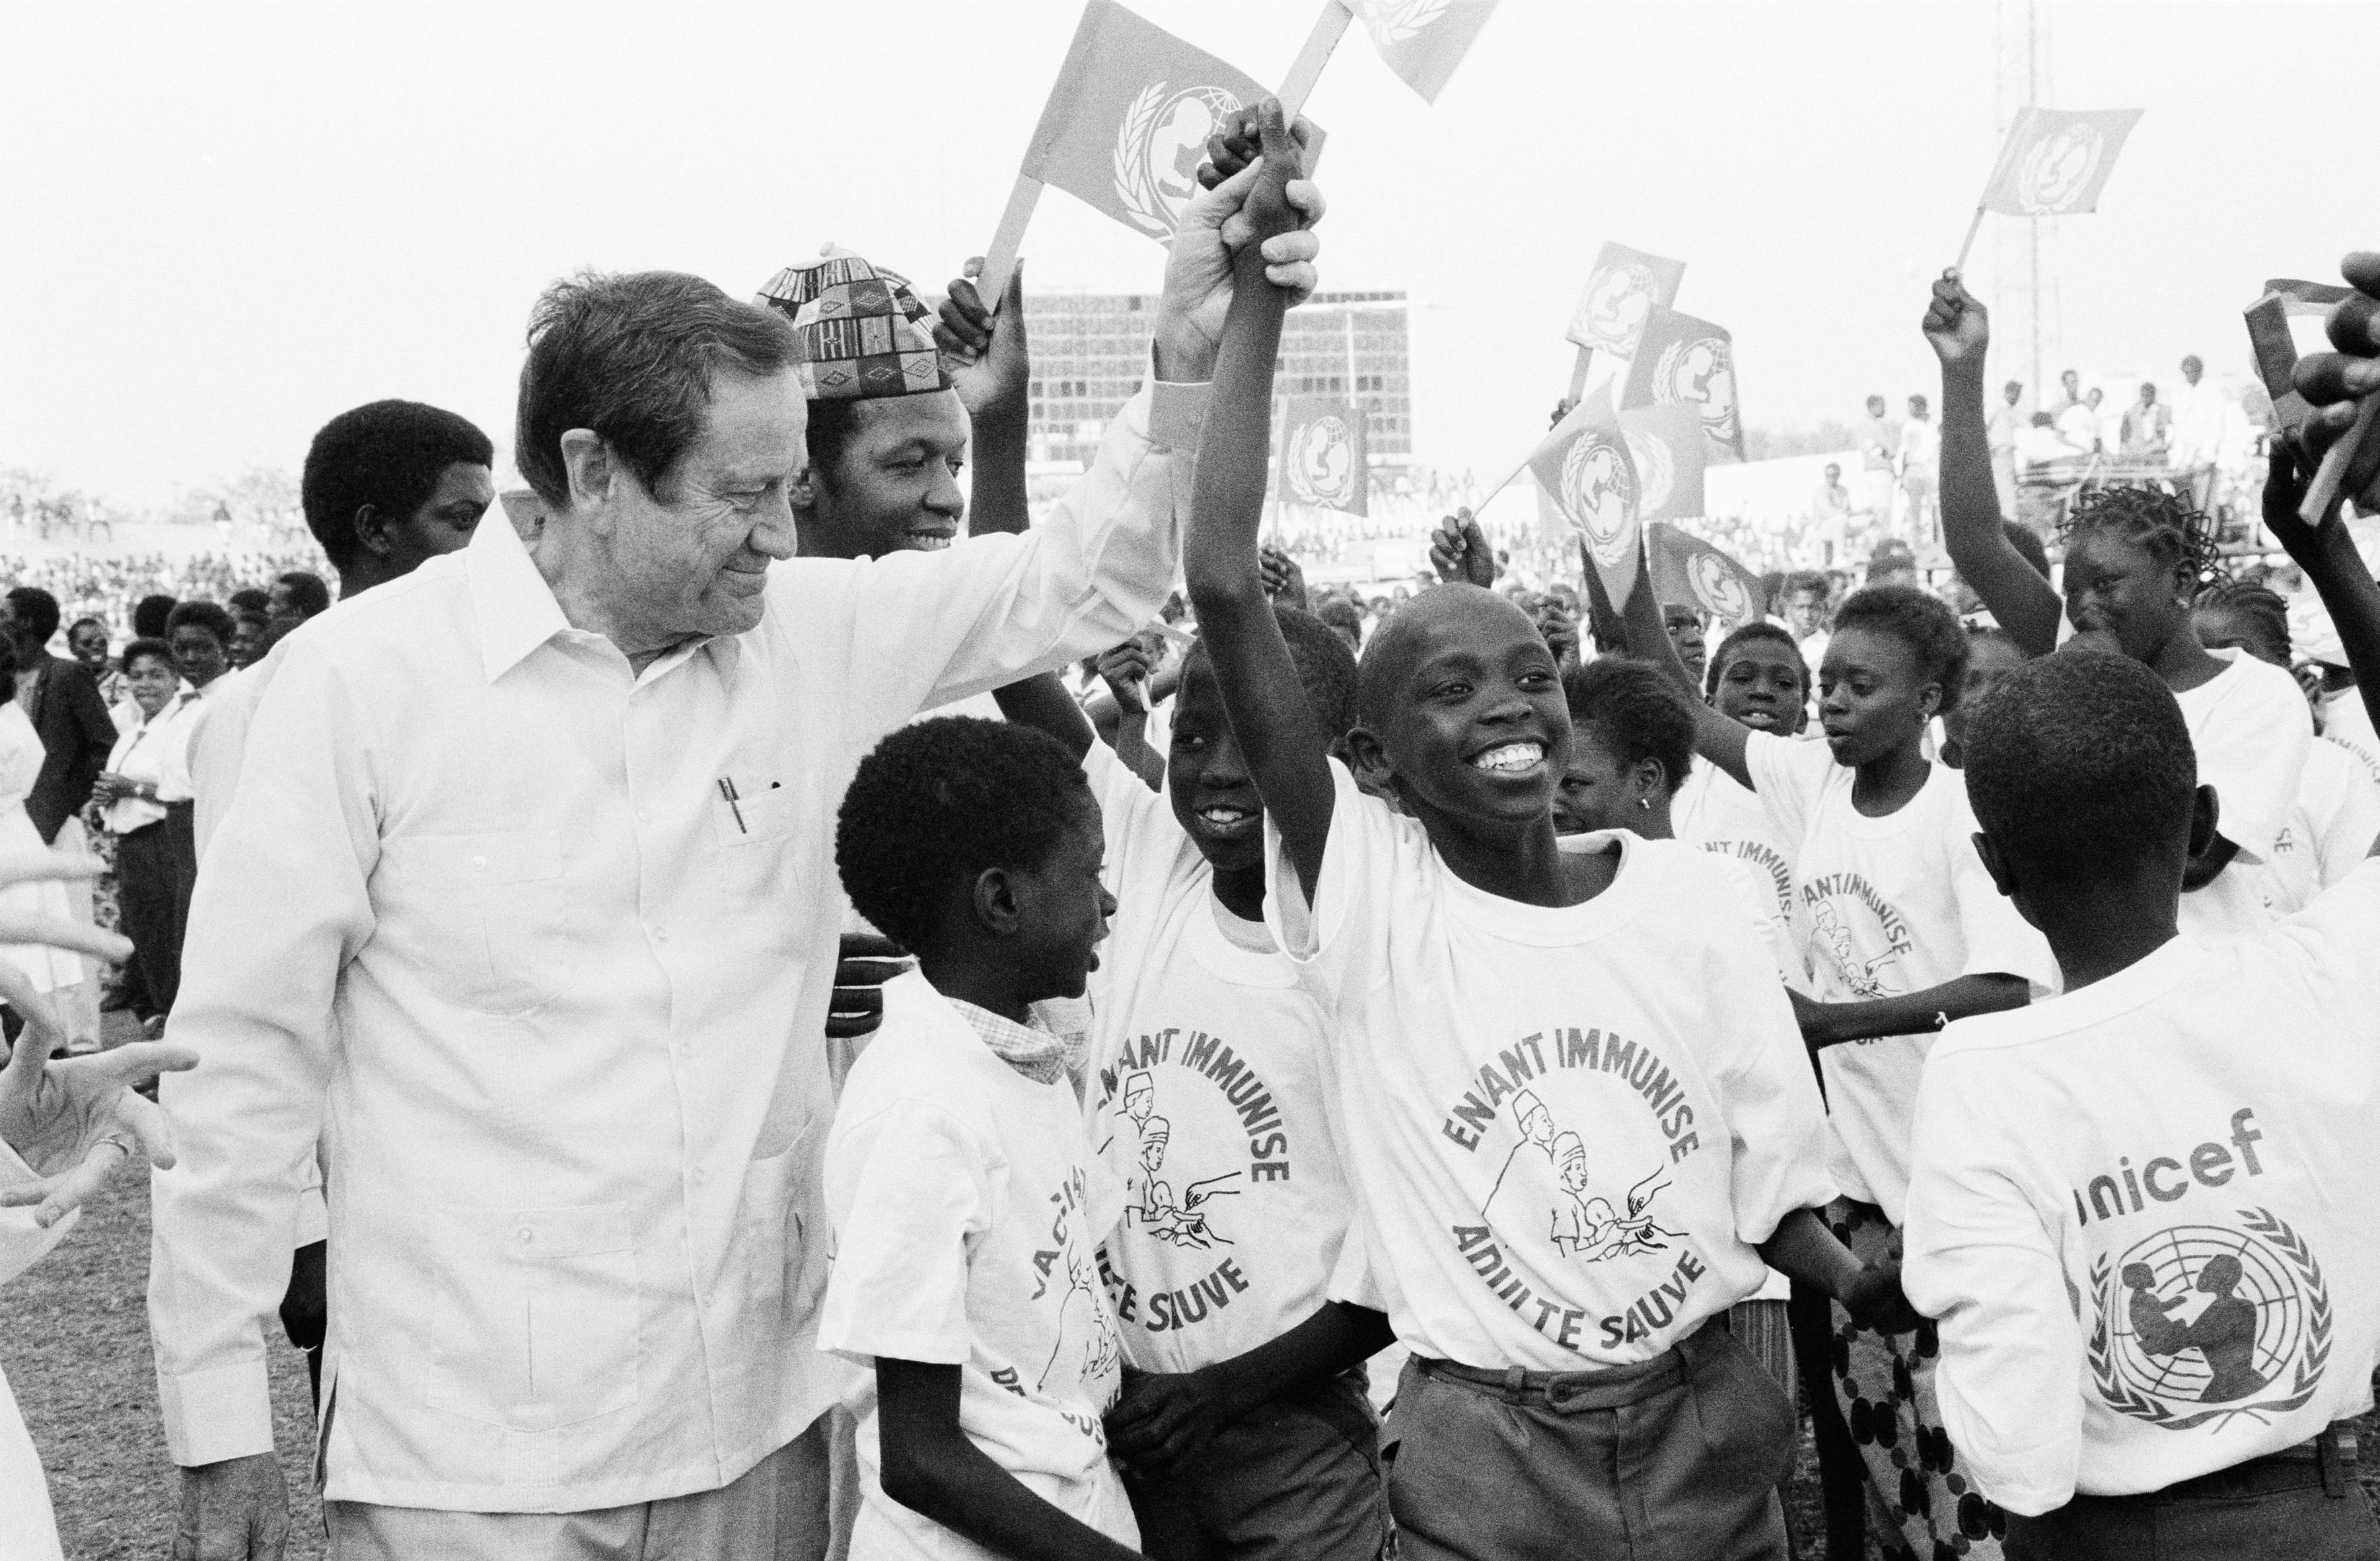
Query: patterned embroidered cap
x: 860, y: 333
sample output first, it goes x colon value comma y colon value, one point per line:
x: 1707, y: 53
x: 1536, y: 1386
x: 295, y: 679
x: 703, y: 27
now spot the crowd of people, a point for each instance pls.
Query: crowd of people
x: 733, y: 1021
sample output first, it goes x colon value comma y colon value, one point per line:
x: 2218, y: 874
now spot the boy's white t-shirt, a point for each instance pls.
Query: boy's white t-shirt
x: 2331, y: 828
x: 2137, y: 1212
x: 1211, y: 1101
x: 1717, y: 812
x: 1892, y: 905
x: 2251, y: 729
x: 1569, y: 1126
x: 968, y: 1210
x: 2347, y: 721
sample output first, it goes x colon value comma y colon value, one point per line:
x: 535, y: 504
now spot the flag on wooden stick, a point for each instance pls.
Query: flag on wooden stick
x: 1585, y: 465
x: 1693, y: 573
x: 1683, y: 361
x: 2055, y: 161
x: 1423, y: 41
x: 1623, y: 290
x: 1323, y: 454
x: 1126, y: 124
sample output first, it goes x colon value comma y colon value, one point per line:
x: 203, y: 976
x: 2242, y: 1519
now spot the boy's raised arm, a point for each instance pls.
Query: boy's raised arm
x: 2327, y: 555
x: 1643, y: 637
x: 1284, y: 746
x: 2025, y: 604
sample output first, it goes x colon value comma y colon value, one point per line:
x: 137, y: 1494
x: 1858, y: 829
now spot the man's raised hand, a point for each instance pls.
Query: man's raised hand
x: 989, y: 362
x: 1214, y: 228
x: 1957, y: 325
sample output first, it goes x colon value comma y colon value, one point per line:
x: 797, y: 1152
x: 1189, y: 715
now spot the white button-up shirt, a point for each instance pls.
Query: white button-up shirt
x: 482, y: 917
x: 140, y: 753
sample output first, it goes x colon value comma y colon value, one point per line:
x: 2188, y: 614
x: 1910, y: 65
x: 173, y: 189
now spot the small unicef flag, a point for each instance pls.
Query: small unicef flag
x: 1423, y: 41
x: 1126, y: 124
x: 1621, y: 292
x: 1583, y: 464
x: 1683, y: 361
x: 1691, y: 573
x: 2055, y: 161
x: 1667, y: 446
x: 1323, y: 456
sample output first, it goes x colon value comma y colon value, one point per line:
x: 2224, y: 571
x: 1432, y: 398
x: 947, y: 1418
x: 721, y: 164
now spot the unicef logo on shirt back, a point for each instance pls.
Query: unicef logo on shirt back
x: 2201, y: 1321
x: 1700, y: 373
x: 2060, y: 168
x: 1322, y: 462
x: 1599, y: 490
x: 1158, y: 148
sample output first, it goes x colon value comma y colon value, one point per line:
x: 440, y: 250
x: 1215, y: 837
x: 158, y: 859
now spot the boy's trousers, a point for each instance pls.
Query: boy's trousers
x: 1297, y: 1480
x: 2302, y: 1505
x: 1674, y: 1459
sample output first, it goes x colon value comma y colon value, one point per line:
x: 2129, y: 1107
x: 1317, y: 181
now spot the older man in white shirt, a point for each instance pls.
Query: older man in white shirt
x: 525, y: 904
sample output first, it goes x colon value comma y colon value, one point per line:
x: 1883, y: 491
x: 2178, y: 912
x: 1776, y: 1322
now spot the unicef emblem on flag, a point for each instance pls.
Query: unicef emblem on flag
x: 1394, y: 21
x: 1598, y: 492
x: 1656, y: 472
x: 1322, y: 462
x: 1700, y: 373
x: 1158, y: 148
x: 2200, y: 1322
x: 1718, y: 588
x: 2060, y: 169
x: 1617, y: 302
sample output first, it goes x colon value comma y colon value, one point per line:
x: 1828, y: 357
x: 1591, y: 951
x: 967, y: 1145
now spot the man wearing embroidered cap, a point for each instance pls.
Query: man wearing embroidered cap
x: 550, y: 830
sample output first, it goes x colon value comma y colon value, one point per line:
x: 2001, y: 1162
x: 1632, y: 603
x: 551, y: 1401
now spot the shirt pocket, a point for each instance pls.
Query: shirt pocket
x: 761, y: 811
x: 534, y: 1314
x: 778, y: 1259
x: 477, y: 919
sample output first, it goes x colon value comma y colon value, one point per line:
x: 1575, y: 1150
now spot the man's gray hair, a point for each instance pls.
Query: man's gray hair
x: 631, y: 358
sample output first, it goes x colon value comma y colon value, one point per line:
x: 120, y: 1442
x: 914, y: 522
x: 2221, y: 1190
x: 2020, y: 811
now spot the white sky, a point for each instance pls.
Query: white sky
x: 222, y: 224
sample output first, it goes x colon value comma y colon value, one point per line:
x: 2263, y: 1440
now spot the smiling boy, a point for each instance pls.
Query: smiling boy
x: 1571, y: 1390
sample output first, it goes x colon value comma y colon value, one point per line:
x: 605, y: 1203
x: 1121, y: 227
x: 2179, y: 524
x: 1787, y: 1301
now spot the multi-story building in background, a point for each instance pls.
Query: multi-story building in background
x: 1090, y: 352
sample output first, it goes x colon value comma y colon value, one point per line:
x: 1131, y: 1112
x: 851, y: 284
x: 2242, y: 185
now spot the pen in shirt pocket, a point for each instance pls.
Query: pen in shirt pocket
x: 728, y: 790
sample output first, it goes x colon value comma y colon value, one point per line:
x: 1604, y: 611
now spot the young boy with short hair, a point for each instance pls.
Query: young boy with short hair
x: 1577, y: 1112
x: 1244, y: 1427
x: 2144, y: 1189
x: 966, y: 1207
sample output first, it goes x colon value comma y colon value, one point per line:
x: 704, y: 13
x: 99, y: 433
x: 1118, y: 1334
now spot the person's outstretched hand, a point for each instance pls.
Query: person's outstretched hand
x: 1459, y: 550
x: 989, y: 362
x: 1957, y: 325
x: 75, y: 1120
x: 1214, y: 229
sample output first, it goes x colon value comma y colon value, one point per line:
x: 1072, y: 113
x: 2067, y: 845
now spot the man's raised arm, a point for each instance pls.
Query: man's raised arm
x: 2025, y: 604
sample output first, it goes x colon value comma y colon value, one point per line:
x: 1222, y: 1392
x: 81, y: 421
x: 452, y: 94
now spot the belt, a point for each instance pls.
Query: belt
x: 1603, y: 1387
x: 2326, y: 1459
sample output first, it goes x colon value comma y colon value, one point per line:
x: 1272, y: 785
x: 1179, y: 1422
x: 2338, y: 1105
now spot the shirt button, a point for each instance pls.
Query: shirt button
x: 521, y: 1235
x: 661, y: 934
x: 644, y: 817
x: 480, y: 862
x: 698, y: 1176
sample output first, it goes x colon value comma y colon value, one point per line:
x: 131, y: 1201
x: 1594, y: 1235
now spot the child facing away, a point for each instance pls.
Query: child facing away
x: 1243, y: 1426
x: 1576, y: 1114
x: 966, y: 1206
x: 2136, y: 557
x: 1905, y: 933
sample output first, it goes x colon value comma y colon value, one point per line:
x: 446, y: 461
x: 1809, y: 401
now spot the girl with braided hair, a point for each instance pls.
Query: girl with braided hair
x: 2136, y: 560
x: 2337, y: 812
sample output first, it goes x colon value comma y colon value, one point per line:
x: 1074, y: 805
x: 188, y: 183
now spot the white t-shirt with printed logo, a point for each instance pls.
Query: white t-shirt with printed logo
x: 1567, y: 1127
x: 2347, y: 721
x: 1892, y: 905
x: 2251, y: 729
x: 1209, y: 1094
x: 2330, y: 831
x: 2138, y: 1212
x: 1716, y: 811
x: 968, y: 1210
